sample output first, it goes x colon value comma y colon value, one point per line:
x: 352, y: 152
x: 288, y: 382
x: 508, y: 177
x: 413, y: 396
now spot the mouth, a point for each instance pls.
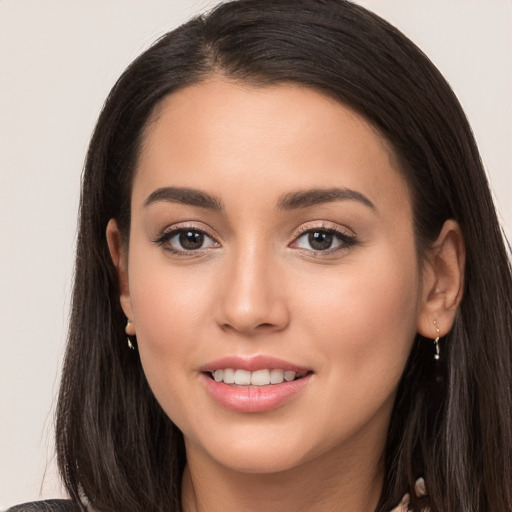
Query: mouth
x: 255, y: 384
x: 264, y: 377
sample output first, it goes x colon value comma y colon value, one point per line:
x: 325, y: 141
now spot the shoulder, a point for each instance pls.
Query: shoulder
x: 46, y: 506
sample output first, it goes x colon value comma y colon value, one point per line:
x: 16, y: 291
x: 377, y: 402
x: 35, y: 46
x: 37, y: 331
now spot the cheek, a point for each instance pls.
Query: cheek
x: 168, y: 304
x: 171, y: 314
x: 362, y: 332
x: 366, y: 320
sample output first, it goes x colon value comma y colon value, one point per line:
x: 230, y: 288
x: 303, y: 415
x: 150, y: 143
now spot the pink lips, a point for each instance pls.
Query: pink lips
x: 253, y: 399
x: 251, y: 364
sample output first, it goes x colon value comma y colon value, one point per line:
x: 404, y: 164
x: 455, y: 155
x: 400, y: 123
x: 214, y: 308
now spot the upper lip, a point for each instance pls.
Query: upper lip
x: 252, y: 363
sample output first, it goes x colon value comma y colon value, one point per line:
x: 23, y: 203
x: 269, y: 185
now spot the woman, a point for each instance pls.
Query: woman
x: 284, y: 210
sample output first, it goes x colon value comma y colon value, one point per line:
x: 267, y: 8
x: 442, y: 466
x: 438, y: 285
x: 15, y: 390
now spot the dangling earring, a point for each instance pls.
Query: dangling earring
x: 436, y: 341
x: 130, y: 333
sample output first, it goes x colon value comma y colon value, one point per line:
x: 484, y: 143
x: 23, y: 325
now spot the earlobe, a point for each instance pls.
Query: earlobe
x: 120, y: 259
x: 443, y: 282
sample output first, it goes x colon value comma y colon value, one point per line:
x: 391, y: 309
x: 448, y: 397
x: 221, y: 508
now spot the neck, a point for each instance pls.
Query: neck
x: 321, y: 485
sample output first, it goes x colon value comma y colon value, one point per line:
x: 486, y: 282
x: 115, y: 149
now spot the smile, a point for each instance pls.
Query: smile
x: 254, y: 384
x: 241, y: 377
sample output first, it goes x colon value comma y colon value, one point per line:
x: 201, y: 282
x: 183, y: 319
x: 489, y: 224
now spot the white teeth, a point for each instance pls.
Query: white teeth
x: 229, y: 376
x: 276, y: 376
x: 256, y: 378
x: 289, y: 376
x: 242, y: 377
x: 260, y: 378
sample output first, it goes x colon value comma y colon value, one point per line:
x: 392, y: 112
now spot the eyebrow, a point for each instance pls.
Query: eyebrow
x: 312, y: 197
x: 183, y: 195
x: 290, y: 201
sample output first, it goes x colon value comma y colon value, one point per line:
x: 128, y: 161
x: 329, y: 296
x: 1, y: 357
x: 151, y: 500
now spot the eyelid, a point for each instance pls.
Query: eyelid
x: 170, y: 231
x: 324, y: 226
x: 192, y: 225
x: 346, y: 235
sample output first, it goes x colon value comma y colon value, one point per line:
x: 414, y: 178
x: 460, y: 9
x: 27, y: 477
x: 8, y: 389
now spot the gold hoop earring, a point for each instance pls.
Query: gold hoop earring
x: 436, y: 342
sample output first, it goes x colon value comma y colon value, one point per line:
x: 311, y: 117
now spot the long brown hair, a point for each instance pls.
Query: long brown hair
x: 452, y: 421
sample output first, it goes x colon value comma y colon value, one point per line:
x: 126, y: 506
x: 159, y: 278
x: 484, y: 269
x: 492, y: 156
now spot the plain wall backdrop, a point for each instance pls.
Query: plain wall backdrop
x: 58, y: 60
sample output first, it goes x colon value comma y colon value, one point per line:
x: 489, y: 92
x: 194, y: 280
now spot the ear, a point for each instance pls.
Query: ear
x: 443, y: 281
x: 118, y: 253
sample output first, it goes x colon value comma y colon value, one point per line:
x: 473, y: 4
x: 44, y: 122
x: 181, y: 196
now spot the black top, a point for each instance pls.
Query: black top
x: 46, y: 506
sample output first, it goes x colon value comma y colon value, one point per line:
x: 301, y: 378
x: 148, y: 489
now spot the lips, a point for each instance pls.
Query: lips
x: 255, y: 384
x: 252, y: 364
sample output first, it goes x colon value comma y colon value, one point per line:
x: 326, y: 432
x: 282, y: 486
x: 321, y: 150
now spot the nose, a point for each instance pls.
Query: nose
x: 253, y: 298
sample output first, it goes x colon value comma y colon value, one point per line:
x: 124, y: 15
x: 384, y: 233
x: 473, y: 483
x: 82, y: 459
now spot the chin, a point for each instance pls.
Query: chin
x: 261, y: 449
x: 259, y: 461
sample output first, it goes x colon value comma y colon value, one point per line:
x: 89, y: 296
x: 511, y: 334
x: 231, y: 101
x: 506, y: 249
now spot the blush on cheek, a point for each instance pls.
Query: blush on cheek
x: 165, y: 306
x: 368, y: 322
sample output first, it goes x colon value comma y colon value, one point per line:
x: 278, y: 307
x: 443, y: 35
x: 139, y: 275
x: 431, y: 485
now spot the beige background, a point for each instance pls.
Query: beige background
x: 58, y: 59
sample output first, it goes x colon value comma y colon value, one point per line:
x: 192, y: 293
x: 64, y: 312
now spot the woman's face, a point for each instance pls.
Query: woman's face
x: 271, y: 239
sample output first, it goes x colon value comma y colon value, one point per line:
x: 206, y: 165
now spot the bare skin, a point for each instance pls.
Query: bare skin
x: 275, y: 222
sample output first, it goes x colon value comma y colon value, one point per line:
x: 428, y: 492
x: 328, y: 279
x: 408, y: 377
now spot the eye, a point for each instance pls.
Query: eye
x: 323, y: 240
x: 183, y: 240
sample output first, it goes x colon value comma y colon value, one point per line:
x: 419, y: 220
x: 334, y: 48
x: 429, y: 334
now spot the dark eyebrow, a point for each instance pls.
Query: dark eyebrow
x: 184, y: 195
x: 312, y: 197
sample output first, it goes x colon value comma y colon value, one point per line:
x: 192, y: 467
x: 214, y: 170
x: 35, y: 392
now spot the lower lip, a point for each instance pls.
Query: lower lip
x: 254, y: 398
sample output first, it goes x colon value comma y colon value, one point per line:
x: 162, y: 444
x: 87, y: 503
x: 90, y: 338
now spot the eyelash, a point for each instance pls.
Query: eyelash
x: 169, y: 234
x: 345, y: 240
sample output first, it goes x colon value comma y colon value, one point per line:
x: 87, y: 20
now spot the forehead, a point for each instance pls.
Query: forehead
x: 218, y: 133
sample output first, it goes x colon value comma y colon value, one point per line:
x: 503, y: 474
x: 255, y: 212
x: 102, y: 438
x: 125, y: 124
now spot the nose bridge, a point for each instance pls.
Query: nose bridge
x: 253, y: 296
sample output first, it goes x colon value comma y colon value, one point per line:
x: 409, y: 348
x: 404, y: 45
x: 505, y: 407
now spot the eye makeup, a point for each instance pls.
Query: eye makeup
x: 187, y: 240
x: 320, y: 240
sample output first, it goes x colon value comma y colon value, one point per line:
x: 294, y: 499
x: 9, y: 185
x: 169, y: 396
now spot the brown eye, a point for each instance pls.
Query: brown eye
x: 186, y: 240
x: 320, y: 240
x: 190, y: 240
x: 324, y: 240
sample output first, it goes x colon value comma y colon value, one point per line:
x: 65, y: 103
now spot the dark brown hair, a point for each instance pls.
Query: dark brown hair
x: 451, y: 422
